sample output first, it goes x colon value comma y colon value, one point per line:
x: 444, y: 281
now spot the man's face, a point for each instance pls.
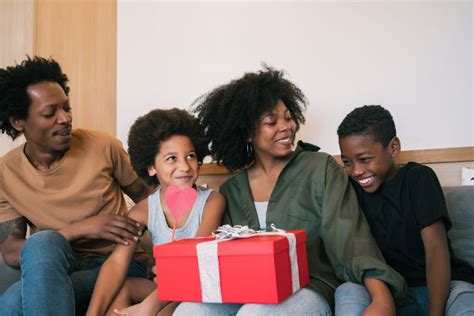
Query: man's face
x: 367, y: 161
x: 47, y: 127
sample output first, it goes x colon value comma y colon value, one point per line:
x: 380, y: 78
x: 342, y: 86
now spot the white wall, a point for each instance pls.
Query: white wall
x: 414, y: 58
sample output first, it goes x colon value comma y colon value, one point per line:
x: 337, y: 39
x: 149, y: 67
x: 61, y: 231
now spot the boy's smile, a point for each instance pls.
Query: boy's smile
x: 367, y: 161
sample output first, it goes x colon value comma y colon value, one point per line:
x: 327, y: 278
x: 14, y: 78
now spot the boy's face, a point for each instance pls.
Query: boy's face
x: 176, y: 163
x: 367, y: 161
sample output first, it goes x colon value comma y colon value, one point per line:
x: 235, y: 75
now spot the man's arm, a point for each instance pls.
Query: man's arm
x: 138, y: 190
x: 12, y: 238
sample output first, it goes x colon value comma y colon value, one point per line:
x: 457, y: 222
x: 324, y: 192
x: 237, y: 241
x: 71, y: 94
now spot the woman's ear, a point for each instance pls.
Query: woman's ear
x: 395, y: 146
x: 151, y: 171
x: 18, y: 124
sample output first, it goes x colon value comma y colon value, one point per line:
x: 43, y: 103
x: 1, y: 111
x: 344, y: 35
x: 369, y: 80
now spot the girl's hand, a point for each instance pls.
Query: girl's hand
x: 116, y: 228
x: 153, y: 270
x: 137, y: 309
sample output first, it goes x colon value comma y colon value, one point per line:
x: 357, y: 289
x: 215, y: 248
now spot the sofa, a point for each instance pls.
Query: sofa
x: 460, y: 204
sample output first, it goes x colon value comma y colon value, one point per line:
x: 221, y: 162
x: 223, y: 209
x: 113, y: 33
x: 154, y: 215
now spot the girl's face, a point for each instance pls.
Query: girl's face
x: 176, y: 163
x: 275, y: 133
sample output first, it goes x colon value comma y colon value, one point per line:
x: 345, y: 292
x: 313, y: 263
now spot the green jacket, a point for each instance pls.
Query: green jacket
x: 313, y: 193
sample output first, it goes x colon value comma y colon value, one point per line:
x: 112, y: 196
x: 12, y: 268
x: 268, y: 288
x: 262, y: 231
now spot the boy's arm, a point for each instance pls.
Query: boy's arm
x: 114, y: 270
x: 212, y: 215
x: 352, y: 250
x: 438, y: 269
x: 382, y: 301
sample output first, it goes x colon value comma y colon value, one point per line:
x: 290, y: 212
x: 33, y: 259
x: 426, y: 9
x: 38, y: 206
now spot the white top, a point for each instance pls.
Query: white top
x: 160, y: 231
x: 261, y: 208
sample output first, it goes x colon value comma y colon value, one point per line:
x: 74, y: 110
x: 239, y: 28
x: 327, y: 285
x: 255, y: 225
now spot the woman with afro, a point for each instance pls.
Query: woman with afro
x: 252, y: 123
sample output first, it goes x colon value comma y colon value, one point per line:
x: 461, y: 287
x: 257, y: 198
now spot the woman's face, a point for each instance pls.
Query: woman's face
x: 275, y: 133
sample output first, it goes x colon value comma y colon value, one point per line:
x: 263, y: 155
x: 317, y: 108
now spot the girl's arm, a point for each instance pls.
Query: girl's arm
x: 114, y: 270
x: 212, y: 215
x: 438, y: 269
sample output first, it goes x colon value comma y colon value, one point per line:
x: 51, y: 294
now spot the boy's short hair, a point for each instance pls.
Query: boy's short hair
x: 371, y: 120
x: 14, y: 82
x: 149, y: 131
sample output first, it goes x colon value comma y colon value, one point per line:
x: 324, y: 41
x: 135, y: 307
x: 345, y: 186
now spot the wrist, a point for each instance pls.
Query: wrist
x: 69, y: 233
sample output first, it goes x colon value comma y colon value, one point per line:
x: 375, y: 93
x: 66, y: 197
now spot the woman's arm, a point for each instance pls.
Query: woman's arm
x: 114, y: 270
x: 212, y: 215
x: 382, y: 301
x: 438, y: 269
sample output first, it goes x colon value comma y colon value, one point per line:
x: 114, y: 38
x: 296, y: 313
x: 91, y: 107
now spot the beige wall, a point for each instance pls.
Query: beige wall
x: 81, y: 36
x: 17, y: 20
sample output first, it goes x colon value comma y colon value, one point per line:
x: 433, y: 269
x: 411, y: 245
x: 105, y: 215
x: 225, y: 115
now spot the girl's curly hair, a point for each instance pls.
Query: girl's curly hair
x: 149, y: 131
x: 230, y: 113
x: 14, y: 82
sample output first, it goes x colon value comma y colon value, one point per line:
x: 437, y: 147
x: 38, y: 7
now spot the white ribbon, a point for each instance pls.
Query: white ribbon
x: 208, y: 261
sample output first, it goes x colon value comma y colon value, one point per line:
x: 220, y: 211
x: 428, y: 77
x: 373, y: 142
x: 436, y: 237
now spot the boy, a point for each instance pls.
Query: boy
x: 407, y: 215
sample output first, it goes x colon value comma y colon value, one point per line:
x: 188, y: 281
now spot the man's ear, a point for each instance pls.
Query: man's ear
x: 151, y: 171
x: 395, y: 146
x: 18, y: 124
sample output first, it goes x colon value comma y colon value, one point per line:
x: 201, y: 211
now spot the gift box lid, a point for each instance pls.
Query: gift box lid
x: 255, y: 245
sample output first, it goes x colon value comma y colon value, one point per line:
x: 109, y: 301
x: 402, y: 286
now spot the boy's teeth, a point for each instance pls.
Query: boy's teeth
x: 365, y: 180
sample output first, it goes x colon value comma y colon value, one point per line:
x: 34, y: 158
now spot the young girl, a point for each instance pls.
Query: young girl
x: 166, y: 148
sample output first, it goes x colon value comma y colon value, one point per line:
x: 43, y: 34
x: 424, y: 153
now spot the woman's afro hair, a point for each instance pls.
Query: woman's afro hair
x: 230, y: 113
x: 371, y: 120
x: 149, y: 131
x: 14, y: 82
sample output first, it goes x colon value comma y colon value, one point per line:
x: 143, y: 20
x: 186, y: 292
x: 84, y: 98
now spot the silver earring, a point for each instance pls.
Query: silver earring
x: 249, y: 150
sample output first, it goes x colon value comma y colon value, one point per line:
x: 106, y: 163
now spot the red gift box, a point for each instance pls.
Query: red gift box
x: 251, y: 270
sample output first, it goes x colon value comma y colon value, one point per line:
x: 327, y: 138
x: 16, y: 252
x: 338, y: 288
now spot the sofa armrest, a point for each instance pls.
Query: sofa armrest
x: 460, y: 204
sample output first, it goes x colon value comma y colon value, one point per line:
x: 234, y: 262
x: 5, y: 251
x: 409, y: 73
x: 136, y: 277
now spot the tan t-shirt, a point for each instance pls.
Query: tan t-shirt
x: 87, y: 181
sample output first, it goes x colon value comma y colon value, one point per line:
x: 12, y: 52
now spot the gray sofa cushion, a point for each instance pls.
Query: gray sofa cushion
x: 460, y: 204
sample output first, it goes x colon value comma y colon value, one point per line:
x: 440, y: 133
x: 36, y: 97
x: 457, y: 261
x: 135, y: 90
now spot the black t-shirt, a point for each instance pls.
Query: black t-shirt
x: 398, y: 211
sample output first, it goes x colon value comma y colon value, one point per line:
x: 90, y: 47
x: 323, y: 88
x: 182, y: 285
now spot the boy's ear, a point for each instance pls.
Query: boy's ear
x: 18, y: 124
x: 395, y: 146
x: 151, y: 171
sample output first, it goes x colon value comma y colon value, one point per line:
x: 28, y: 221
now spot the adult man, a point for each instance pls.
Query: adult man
x: 67, y: 184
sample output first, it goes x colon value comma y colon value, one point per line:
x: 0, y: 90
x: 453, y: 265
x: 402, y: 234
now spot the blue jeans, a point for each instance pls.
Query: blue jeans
x: 303, y: 302
x: 53, y: 281
x: 352, y: 299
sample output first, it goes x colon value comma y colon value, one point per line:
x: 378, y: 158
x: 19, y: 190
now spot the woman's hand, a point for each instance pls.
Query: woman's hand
x: 382, y: 300
x: 376, y: 308
x: 116, y: 228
